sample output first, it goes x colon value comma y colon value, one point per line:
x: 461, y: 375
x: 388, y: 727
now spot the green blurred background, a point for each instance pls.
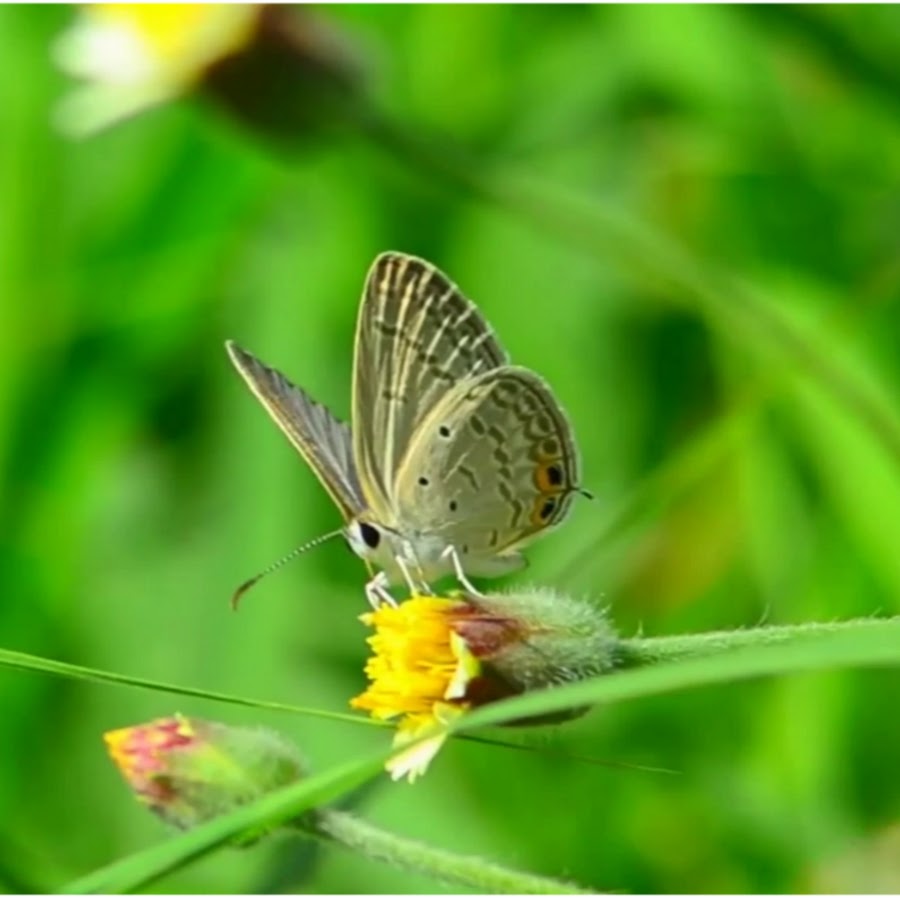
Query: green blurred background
x: 141, y: 481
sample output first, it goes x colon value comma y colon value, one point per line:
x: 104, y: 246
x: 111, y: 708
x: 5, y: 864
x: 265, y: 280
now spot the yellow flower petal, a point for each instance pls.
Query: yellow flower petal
x: 467, y: 668
x: 417, y: 660
x: 420, y: 671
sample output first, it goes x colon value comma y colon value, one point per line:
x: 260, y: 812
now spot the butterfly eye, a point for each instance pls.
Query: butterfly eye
x: 370, y: 534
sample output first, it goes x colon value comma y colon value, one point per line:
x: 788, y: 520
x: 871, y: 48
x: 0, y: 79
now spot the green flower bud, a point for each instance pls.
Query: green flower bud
x: 528, y: 639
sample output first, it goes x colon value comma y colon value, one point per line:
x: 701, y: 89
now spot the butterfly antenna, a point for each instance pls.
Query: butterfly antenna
x: 585, y: 493
x: 236, y: 596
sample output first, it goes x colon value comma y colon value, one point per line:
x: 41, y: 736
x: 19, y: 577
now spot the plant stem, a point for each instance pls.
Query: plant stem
x: 351, y: 833
x: 638, y: 652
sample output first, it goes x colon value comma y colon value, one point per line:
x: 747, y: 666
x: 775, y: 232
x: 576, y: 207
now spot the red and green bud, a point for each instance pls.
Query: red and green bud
x: 189, y: 770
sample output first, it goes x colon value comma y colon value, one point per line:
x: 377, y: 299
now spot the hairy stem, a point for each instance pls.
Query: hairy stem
x: 638, y: 652
x: 351, y: 833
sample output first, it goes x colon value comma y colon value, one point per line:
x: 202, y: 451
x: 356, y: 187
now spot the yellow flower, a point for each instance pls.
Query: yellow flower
x: 420, y: 673
x: 133, y: 56
x: 427, y: 671
x: 436, y: 657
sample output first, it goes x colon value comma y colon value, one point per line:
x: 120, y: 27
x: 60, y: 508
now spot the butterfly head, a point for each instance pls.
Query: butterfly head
x: 414, y: 557
x: 366, y: 539
x: 381, y: 545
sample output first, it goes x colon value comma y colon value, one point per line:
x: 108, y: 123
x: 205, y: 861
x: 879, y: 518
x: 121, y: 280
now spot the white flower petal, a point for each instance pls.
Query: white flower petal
x: 112, y: 52
x: 413, y: 761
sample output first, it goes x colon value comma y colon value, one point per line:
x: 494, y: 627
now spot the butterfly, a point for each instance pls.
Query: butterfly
x: 456, y: 459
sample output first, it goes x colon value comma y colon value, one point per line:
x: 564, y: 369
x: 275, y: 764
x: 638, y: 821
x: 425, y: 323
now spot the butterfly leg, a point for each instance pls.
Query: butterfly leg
x: 415, y: 587
x: 451, y: 554
x: 377, y: 592
x: 421, y: 586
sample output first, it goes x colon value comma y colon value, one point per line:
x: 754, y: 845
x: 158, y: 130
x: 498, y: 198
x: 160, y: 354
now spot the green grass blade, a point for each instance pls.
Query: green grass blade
x: 141, y: 868
x: 13, y: 659
x: 863, y: 643
x: 730, y: 656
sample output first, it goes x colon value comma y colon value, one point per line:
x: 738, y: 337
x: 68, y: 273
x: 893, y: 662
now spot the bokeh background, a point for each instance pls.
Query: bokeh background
x: 740, y: 477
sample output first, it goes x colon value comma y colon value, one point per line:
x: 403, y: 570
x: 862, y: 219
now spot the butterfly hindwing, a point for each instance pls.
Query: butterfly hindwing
x: 493, y: 465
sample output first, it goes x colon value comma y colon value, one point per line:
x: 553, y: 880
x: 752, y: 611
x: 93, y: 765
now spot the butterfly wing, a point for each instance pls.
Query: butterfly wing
x: 323, y: 441
x: 492, y: 466
x: 417, y: 337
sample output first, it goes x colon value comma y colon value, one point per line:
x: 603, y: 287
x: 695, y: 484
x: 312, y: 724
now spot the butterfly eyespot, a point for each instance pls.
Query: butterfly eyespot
x: 452, y: 506
x: 444, y: 431
x: 423, y: 481
x: 544, y: 423
x: 370, y: 535
x: 549, y: 478
x: 547, y: 509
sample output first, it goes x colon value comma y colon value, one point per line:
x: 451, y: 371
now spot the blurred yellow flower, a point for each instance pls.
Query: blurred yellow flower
x: 133, y: 56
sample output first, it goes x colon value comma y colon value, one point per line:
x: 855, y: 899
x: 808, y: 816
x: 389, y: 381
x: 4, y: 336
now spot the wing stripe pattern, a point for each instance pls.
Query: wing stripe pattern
x: 418, y: 337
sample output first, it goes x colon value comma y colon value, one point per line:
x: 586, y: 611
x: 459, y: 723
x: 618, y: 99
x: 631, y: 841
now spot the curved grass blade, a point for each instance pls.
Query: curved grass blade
x: 608, y: 234
x: 141, y: 868
x: 658, y: 489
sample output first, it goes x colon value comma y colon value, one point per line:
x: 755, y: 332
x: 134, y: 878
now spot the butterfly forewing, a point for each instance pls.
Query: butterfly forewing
x: 323, y: 441
x: 417, y: 337
x: 492, y: 466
